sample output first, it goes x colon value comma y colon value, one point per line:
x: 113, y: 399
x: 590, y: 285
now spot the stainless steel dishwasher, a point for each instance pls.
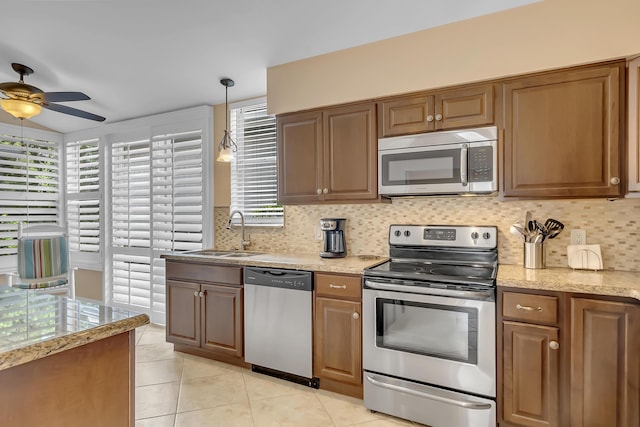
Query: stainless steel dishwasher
x: 278, y: 330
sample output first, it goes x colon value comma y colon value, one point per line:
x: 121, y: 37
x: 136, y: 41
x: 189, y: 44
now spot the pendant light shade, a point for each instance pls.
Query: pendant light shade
x: 20, y: 109
x: 227, y: 146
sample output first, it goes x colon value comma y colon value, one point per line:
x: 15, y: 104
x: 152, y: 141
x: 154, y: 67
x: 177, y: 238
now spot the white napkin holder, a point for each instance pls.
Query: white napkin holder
x: 584, y: 257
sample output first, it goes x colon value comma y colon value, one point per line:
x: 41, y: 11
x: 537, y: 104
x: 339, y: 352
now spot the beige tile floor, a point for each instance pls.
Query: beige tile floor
x: 174, y: 389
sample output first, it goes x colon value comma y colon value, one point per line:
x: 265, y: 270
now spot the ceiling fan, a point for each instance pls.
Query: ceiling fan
x: 25, y: 101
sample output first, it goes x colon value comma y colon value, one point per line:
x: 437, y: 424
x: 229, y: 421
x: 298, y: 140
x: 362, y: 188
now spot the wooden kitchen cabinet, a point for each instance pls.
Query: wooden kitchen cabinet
x: 605, y: 363
x: 577, y: 365
x: 328, y: 155
x: 634, y: 125
x: 205, y: 310
x: 563, y: 133
x: 448, y: 109
x: 530, y: 360
x: 338, y: 333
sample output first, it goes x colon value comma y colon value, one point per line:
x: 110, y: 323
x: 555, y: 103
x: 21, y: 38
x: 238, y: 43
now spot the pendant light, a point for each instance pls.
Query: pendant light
x: 227, y: 146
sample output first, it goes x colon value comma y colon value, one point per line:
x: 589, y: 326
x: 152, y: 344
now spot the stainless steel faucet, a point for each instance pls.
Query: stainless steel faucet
x: 245, y: 242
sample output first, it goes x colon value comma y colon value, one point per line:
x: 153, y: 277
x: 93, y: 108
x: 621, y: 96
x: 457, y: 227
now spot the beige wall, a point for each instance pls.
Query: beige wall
x: 545, y: 35
x: 221, y: 170
x: 88, y: 284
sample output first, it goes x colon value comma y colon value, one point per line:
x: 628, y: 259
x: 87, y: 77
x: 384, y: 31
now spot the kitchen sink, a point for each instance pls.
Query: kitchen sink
x: 225, y: 254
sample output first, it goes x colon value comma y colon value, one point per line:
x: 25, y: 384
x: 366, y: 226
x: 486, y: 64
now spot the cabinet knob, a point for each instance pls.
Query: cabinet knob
x: 553, y: 345
x: 429, y: 118
x: 318, y: 191
x: 325, y: 191
x: 438, y: 117
x: 196, y: 294
x: 615, y: 180
x: 356, y: 316
x: 201, y: 294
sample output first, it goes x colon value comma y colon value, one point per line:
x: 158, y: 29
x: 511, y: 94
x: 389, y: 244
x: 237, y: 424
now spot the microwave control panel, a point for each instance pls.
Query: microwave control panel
x: 480, y: 164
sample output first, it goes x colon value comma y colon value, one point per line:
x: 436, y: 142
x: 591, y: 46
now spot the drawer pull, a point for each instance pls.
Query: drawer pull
x: 332, y: 286
x: 528, y: 308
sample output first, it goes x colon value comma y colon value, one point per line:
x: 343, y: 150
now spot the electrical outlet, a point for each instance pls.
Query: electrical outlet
x: 317, y: 232
x: 578, y: 237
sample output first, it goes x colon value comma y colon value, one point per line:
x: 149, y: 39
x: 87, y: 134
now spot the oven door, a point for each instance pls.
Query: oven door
x: 446, y: 340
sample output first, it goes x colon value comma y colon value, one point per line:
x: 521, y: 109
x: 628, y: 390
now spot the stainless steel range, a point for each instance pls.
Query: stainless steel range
x: 429, y: 326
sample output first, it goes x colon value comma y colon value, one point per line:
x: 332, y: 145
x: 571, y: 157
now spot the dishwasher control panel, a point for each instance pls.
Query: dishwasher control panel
x: 279, y: 278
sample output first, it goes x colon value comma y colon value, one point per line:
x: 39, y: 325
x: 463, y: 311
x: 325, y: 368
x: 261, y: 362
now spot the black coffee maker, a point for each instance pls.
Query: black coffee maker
x: 334, y: 245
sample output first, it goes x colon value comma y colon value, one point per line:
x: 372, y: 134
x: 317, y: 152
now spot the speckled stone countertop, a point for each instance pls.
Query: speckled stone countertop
x: 35, y: 325
x: 613, y: 283
x: 310, y: 262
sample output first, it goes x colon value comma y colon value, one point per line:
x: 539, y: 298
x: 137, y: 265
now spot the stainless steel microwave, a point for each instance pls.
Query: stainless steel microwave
x: 448, y: 162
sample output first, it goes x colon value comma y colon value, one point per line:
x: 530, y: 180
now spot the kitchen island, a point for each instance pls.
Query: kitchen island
x: 65, y: 362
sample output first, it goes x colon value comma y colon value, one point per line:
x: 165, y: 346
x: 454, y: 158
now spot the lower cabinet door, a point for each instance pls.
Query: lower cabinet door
x: 605, y: 363
x: 530, y: 375
x: 222, y: 320
x: 338, y: 340
x: 183, y: 313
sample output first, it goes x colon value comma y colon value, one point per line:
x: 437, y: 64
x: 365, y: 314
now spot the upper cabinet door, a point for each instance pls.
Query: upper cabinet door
x: 563, y: 133
x: 350, y: 153
x: 300, y: 157
x: 410, y: 114
x: 634, y: 125
x: 471, y: 106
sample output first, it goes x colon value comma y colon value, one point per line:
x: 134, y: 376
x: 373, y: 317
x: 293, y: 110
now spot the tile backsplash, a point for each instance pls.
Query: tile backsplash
x: 614, y: 225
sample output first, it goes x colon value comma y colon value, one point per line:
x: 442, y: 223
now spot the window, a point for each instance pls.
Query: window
x: 254, y: 177
x: 27, y: 194
x: 157, y: 206
x: 83, y: 202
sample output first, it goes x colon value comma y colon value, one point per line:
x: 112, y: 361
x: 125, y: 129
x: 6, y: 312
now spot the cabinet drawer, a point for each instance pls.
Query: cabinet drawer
x: 530, y: 307
x: 336, y: 285
x: 205, y: 273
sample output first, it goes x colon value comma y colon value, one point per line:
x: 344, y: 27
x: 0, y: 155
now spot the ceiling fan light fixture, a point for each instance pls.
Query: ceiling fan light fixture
x: 227, y: 146
x: 20, y: 109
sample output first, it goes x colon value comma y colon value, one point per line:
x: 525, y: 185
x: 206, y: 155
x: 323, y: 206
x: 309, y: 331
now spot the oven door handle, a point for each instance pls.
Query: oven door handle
x: 438, y: 398
x: 482, y: 295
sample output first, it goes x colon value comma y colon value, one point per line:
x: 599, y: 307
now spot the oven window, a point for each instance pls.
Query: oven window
x: 425, y: 167
x: 434, y: 330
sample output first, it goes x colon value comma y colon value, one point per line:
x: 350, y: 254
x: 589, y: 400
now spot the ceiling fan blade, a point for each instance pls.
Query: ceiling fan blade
x: 63, y: 96
x: 73, y: 112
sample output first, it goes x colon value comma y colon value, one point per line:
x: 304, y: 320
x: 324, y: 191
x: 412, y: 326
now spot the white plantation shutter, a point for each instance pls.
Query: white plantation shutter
x: 177, y: 191
x: 157, y: 205
x: 38, y: 201
x: 254, y: 177
x: 83, y: 202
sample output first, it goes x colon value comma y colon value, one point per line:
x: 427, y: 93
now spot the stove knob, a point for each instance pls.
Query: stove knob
x: 407, y: 233
x: 486, y: 235
x: 397, y: 233
x: 474, y: 235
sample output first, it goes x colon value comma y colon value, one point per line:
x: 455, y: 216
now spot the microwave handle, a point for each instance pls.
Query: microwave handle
x: 464, y: 157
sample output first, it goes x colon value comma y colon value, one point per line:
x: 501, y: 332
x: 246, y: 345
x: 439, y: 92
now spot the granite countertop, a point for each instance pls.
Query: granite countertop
x: 34, y: 325
x: 612, y: 283
x: 354, y: 264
